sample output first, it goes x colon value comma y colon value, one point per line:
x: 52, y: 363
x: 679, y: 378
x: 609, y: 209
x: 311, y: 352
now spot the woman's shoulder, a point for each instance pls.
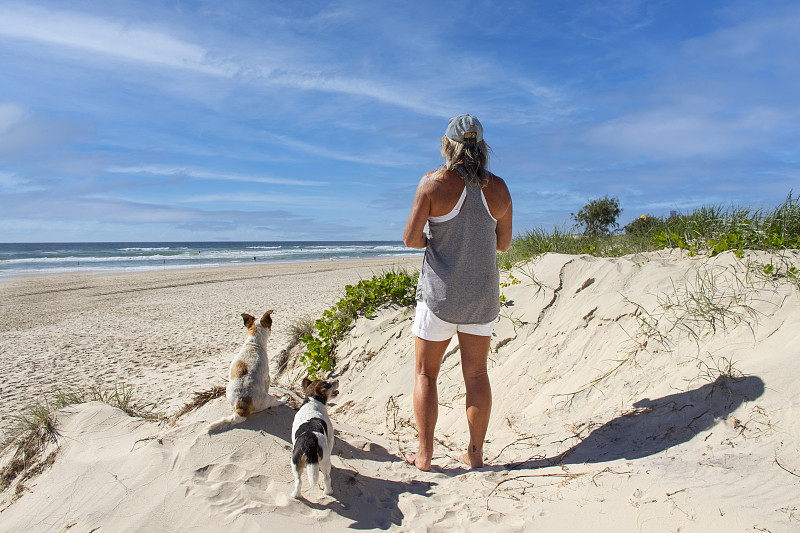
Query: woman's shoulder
x: 497, y: 187
x: 441, y: 179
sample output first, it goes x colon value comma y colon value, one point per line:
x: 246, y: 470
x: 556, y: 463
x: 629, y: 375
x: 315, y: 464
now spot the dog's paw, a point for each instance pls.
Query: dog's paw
x: 295, y: 494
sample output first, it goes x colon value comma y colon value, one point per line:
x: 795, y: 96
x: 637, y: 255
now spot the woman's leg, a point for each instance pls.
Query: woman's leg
x: 426, y: 397
x: 474, y: 353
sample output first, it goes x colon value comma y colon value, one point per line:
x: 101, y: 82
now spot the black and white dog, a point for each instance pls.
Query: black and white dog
x: 312, y: 435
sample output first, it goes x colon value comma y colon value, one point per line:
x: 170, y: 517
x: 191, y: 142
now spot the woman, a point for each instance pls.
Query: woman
x: 468, y: 213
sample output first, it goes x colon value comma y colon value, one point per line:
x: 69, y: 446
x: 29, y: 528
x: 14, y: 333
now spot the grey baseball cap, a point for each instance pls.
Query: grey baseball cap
x: 464, y: 129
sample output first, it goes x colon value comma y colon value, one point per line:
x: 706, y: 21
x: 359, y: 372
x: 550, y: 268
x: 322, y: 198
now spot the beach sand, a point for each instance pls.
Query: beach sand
x: 653, y: 392
x: 167, y: 332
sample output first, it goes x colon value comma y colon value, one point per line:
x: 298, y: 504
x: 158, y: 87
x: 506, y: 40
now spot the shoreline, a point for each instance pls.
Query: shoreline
x: 7, y: 275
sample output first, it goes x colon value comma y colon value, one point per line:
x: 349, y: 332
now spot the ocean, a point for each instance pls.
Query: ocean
x: 105, y: 257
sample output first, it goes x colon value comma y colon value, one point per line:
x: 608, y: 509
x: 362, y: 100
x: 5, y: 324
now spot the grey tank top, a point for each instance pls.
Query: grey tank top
x: 459, y: 281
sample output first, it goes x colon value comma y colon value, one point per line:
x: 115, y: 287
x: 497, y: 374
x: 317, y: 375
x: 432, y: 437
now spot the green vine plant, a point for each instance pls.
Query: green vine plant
x: 361, y: 299
x: 779, y: 269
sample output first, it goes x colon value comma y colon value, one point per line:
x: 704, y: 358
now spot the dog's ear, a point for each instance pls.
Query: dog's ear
x: 266, y: 320
x: 306, y: 383
x: 248, y: 320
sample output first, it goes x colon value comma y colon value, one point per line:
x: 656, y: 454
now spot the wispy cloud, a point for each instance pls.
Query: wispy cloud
x: 138, y: 42
x: 23, y: 132
x: 385, y: 92
x: 385, y: 157
x: 607, y: 21
x: 194, y: 173
x: 276, y: 199
x: 680, y: 132
x: 111, y: 219
x: 12, y: 183
x: 751, y: 42
x: 106, y: 36
x: 11, y: 114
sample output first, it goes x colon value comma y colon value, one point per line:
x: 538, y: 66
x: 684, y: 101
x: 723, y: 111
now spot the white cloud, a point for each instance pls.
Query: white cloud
x: 239, y: 198
x: 607, y: 21
x: 11, y: 114
x: 194, y: 173
x: 688, y: 131
x: 752, y: 42
x: 12, y: 183
x: 23, y: 132
x: 386, y: 158
x: 105, y: 36
x: 158, y: 47
x: 383, y: 92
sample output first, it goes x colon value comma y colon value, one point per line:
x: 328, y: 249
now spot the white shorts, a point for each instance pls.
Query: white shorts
x: 429, y: 327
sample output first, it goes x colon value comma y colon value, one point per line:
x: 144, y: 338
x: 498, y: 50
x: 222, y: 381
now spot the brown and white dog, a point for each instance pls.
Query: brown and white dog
x: 312, y: 435
x: 248, y: 387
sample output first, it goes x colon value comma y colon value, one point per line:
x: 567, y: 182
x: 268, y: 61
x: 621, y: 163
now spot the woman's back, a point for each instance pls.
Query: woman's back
x: 445, y: 188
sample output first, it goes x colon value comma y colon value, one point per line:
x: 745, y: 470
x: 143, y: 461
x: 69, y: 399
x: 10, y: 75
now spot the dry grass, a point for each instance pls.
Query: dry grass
x: 35, y: 429
x: 297, y: 330
x: 201, y: 398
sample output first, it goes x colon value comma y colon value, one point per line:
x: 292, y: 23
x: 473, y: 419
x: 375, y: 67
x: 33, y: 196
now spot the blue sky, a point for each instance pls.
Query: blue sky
x: 262, y: 120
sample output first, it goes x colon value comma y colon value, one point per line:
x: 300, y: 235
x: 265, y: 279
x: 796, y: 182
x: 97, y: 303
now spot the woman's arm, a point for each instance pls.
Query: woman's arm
x: 414, y: 235
x: 503, y: 229
x: 499, y: 200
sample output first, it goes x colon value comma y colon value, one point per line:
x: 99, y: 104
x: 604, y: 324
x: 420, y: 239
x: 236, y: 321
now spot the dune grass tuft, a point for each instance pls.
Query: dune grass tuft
x: 298, y: 329
x: 35, y: 428
x: 201, y: 398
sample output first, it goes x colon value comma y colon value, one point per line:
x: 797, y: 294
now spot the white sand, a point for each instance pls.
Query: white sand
x: 660, y: 444
x: 166, y: 333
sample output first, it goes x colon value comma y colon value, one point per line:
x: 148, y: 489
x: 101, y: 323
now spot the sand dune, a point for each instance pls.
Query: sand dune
x: 653, y: 392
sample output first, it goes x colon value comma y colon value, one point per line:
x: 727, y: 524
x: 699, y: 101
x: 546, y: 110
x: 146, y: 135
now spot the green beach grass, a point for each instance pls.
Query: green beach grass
x: 706, y: 230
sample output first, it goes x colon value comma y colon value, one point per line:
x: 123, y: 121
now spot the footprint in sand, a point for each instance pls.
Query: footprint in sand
x: 259, y: 482
x: 226, y: 472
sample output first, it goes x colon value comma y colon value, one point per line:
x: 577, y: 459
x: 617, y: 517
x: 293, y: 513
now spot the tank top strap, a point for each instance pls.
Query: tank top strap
x: 463, y: 174
x: 474, y: 192
x: 466, y: 180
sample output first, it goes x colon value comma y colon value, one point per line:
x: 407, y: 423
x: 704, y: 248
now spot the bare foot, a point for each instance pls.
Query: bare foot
x: 411, y: 458
x: 472, y: 464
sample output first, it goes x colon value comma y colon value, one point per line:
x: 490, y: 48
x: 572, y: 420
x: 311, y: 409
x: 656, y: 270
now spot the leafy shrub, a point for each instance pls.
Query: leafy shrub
x: 363, y: 298
x: 643, y: 225
x: 598, y: 216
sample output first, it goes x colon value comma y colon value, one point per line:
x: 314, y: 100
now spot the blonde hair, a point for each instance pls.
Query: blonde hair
x: 474, y: 157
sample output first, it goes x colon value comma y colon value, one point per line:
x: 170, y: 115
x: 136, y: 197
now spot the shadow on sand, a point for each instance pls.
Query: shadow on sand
x: 653, y: 426
x: 371, y: 503
x: 351, y: 489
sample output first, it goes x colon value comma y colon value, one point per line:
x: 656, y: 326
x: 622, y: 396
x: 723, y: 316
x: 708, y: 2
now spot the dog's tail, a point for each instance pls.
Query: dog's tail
x: 244, y: 406
x: 226, y: 423
x: 307, y: 452
x: 312, y: 471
